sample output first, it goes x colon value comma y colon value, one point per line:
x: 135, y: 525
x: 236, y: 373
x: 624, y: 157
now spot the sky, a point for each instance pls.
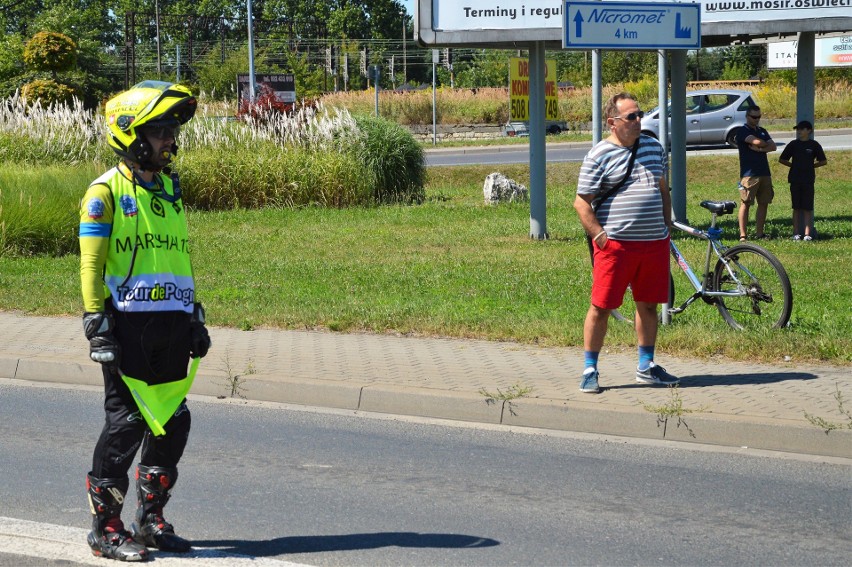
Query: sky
x: 409, y: 6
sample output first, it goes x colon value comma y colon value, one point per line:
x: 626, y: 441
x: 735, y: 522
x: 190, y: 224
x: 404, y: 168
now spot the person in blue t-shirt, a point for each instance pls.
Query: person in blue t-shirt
x: 753, y: 143
x: 803, y: 156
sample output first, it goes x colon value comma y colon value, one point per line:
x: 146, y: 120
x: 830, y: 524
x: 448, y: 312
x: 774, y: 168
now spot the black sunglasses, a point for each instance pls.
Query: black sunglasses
x: 755, y: 117
x: 630, y: 117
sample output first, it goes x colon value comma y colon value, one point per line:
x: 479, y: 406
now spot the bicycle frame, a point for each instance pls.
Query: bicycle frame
x: 714, y: 247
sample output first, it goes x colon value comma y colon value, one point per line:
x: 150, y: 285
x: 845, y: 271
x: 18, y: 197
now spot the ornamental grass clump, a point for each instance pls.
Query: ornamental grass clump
x: 38, y: 212
x: 36, y: 134
x: 315, y: 156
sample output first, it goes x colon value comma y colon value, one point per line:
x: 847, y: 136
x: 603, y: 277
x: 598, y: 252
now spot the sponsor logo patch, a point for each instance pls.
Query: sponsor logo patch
x: 128, y: 206
x: 95, y: 208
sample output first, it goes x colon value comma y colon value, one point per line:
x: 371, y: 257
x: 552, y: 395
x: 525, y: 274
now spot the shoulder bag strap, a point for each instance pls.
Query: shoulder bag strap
x: 612, y: 192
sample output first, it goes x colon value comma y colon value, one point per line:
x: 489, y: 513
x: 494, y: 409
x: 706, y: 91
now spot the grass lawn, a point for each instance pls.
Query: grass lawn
x: 456, y: 267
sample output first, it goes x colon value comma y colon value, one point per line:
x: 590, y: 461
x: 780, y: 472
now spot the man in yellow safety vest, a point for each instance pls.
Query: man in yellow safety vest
x: 141, y: 318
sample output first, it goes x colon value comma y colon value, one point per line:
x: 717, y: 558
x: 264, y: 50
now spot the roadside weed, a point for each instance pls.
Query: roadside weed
x: 514, y: 392
x: 672, y: 409
x: 234, y: 382
x: 827, y: 425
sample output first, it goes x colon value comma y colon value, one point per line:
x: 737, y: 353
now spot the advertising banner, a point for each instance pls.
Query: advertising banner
x: 283, y: 86
x: 772, y: 10
x: 452, y: 15
x: 829, y: 52
x: 519, y: 90
x: 491, y: 15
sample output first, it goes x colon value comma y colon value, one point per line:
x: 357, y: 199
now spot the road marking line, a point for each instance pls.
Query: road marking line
x: 52, y: 542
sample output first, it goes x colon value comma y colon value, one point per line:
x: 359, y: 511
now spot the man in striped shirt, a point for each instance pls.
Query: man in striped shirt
x: 630, y: 234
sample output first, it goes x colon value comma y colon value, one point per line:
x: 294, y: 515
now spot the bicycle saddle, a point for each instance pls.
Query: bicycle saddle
x: 719, y: 207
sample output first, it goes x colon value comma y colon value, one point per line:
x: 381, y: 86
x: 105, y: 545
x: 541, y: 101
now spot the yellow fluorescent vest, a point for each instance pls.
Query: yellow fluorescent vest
x: 145, y: 224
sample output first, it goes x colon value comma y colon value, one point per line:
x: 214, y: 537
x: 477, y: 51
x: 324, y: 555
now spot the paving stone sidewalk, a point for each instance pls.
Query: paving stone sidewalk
x: 732, y: 403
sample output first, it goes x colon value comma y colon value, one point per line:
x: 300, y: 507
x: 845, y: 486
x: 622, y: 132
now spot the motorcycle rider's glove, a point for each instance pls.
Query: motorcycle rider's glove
x: 199, y: 337
x: 103, y: 346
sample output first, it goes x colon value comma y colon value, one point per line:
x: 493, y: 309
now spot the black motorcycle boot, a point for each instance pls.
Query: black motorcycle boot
x: 108, y: 537
x: 153, y: 487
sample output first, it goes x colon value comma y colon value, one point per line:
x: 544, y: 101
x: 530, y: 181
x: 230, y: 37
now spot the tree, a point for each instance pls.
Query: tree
x: 11, y: 64
x: 339, y: 19
x: 50, y: 51
x: 487, y: 68
x: 743, y: 61
x: 623, y: 66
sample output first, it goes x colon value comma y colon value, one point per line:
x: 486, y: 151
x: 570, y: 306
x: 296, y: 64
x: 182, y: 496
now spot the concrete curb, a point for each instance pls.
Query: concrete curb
x: 563, y: 415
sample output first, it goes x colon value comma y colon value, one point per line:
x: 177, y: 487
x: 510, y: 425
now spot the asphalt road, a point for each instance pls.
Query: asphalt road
x: 315, y: 487
x: 574, y: 152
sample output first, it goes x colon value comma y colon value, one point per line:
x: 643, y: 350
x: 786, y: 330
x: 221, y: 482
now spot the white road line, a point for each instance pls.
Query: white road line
x: 52, y: 542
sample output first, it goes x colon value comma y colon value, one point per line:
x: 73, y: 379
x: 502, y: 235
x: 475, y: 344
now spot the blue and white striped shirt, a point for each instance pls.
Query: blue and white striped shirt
x: 635, y: 212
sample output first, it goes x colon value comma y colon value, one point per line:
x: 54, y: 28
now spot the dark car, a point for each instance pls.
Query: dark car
x: 520, y: 129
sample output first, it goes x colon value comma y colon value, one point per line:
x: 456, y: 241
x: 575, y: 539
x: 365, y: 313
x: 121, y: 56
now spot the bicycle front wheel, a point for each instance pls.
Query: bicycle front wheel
x: 765, y: 298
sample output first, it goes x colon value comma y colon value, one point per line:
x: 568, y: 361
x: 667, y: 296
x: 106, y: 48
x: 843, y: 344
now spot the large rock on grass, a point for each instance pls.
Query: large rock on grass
x: 500, y: 189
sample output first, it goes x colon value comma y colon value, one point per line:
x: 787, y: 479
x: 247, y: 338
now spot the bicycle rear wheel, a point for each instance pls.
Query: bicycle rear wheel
x: 767, y: 299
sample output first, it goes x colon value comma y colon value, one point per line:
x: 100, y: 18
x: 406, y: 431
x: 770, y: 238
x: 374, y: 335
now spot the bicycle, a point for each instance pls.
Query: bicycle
x: 748, y: 285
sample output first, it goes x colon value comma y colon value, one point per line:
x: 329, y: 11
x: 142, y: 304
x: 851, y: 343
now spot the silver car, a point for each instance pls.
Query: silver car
x: 712, y: 116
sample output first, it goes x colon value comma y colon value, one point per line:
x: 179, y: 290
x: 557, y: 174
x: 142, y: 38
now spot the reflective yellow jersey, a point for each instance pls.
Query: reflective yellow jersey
x: 134, y: 247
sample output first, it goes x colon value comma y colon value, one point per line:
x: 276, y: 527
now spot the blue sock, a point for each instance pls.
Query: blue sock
x: 646, y: 355
x: 591, y: 358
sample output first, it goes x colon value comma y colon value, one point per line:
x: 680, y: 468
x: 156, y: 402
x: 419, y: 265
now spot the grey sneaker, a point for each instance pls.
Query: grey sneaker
x: 589, y: 383
x: 808, y: 238
x: 656, y: 375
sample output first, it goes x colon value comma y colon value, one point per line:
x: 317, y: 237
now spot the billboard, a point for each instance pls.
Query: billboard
x: 450, y: 15
x: 488, y: 15
x: 828, y: 52
x: 449, y: 23
x: 283, y: 86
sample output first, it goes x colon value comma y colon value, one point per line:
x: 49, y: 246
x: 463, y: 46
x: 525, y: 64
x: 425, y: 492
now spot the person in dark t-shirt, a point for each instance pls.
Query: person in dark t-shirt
x: 753, y: 143
x: 803, y: 156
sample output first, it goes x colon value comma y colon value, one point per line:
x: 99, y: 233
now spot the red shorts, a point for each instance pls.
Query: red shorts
x: 642, y: 265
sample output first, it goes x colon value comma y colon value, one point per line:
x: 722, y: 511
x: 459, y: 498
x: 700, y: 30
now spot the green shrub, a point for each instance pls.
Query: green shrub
x: 491, y: 105
x: 394, y: 159
x: 47, y: 92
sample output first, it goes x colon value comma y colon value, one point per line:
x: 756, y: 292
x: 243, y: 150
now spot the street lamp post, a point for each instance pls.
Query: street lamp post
x: 404, y: 56
x: 157, y: 23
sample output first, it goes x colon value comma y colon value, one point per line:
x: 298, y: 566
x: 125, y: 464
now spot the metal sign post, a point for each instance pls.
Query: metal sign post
x: 538, y: 148
x: 252, y: 86
x: 375, y: 74
x: 436, y: 58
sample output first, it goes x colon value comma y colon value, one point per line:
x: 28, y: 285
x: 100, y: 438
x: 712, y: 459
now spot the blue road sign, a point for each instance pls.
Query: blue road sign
x: 631, y: 25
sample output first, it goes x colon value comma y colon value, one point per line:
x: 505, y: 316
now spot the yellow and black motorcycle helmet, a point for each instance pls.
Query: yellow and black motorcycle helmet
x: 149, y: 104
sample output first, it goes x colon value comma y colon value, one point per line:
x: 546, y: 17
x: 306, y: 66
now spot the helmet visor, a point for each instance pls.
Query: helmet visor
x: 161, y: 132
